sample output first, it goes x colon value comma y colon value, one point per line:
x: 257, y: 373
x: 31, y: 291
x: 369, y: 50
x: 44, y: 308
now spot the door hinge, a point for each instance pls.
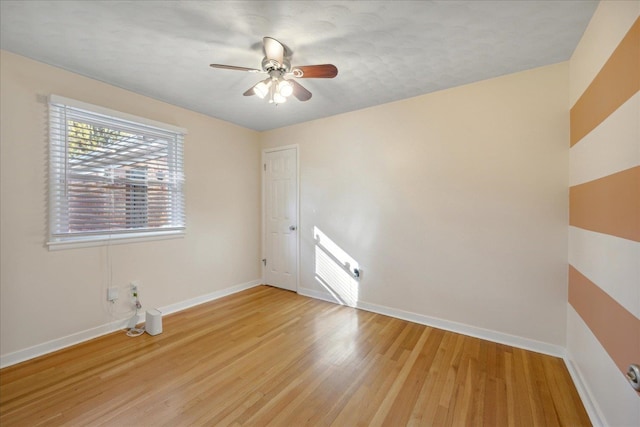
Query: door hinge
x: 264, y: 261
x: 265, y: 167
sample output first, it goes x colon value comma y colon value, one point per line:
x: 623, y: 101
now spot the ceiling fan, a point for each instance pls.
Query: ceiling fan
x: 279, y: 85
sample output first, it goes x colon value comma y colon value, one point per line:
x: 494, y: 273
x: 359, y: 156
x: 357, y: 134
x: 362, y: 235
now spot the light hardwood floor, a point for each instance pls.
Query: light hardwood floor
x: 271, y: 357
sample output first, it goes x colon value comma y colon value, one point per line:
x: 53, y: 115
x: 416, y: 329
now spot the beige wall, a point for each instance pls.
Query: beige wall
x: 453, y: 203
x: 603, y: 313
x: 51, y: 295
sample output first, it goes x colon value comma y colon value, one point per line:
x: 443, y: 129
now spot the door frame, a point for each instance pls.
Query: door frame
x: 295, y: 147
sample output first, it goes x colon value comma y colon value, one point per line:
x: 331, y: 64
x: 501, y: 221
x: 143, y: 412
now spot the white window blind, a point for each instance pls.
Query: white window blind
x: 112, y: 175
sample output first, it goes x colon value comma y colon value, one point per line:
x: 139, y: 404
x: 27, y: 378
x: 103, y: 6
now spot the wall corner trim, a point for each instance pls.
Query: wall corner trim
x: 589, y: 402
x: 79, y: 337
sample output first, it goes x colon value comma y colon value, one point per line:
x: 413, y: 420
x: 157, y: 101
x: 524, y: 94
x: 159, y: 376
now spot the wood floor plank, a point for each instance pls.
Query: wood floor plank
x: 266, y: 356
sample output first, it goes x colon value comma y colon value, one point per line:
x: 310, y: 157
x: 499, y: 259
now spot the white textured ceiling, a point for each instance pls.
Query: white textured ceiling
x: 384, y: 50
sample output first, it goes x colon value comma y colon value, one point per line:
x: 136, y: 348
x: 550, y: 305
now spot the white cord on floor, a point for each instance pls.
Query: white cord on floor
x: 135, y: 332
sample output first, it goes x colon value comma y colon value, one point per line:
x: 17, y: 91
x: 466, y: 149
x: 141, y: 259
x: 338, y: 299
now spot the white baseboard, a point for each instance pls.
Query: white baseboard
x: 586, y: 396
x: 78, y: 337
x: 317, y: 295
x: 179, y: 306
x: 60, y: 343
x: 460, y: 328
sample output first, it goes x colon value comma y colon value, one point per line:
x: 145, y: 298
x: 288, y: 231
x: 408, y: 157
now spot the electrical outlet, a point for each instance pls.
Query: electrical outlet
x: 135, y: 294
x: 112, y: 294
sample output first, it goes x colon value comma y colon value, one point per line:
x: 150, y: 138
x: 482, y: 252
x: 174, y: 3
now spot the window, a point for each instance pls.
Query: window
x: 112, y: 176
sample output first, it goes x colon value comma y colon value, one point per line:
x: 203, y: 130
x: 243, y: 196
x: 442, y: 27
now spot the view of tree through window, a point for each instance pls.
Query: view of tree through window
x: 92, y: 151
x: 113, y: 176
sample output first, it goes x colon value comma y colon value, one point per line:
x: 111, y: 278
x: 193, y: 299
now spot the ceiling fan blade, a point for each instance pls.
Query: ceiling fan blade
x: 323, y: 71
x: 233, y: 67
x: 250, y: 91
x: 273, y: 50
x: 299, y: 91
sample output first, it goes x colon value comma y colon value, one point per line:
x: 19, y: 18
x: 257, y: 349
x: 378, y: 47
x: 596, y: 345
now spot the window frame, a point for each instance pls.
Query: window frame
x: 70, y: 241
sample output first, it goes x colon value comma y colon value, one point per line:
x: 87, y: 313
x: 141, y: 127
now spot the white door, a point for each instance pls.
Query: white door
x: 281, y: 218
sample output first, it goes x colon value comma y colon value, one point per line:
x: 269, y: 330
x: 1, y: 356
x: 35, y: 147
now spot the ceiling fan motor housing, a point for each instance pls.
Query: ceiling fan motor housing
x: 269, y: 65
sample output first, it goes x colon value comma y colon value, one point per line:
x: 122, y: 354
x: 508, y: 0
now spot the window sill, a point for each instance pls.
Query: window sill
x: 104, y: 240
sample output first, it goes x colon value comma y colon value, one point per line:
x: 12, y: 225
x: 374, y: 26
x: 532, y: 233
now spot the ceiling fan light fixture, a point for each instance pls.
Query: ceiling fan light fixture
x: 262, y: 89
x: 285, y: 88
x: 278, y: 98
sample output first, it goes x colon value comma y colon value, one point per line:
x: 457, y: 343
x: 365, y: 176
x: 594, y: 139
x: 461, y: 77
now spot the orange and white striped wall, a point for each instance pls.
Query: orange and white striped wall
x: 603, y: 312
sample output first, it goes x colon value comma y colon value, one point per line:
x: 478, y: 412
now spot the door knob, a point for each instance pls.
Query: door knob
x: 292, y: 227
x: 633, y: 375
